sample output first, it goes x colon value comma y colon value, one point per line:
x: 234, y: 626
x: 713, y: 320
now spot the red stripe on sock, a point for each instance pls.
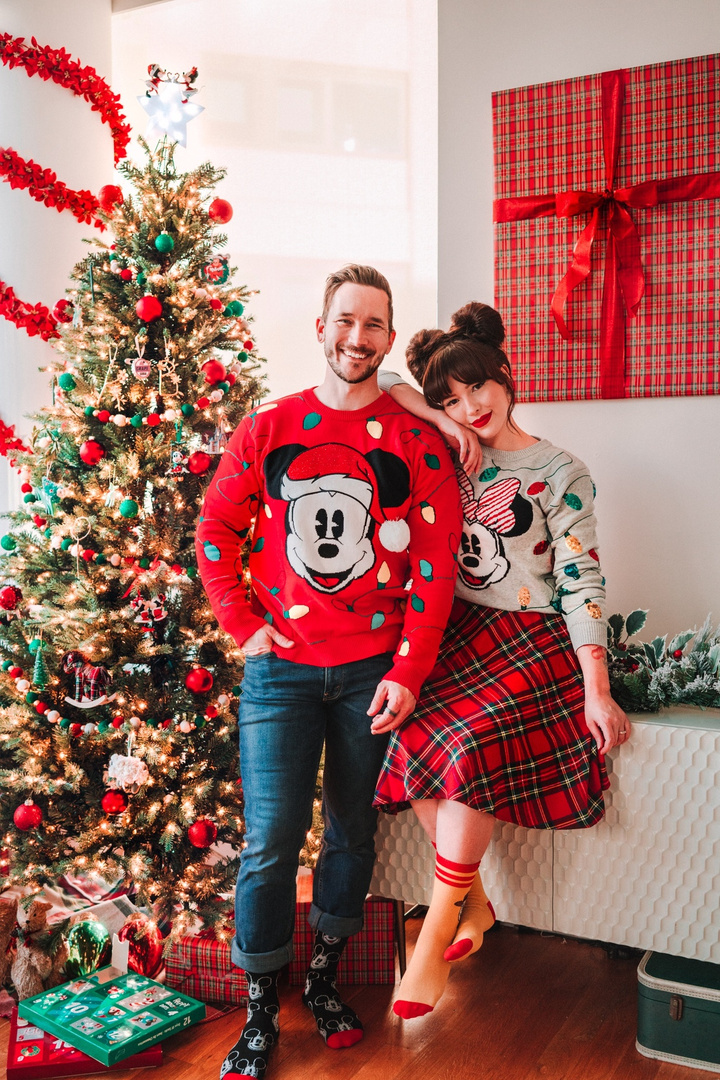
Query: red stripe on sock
x: 456, y: 875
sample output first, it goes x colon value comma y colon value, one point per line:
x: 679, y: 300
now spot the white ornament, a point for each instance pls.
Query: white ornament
x: 169, y: 111
x: 22, y: 685
x: 129, y: 773
x: 216, y: 395
x: 115, y: 560
x: 115, y: 266
x: 55, y: 542
x: 52, y: 716
x: 88, y: 728
x: 120, y: 420
x: 44, y: 441
x: 186, y: 726
x: 394, y: 535
x: 223, y: 699
x: 135, y: 721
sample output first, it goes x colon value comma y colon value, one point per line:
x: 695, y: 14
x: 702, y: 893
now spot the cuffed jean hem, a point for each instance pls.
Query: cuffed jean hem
x: 262, y: 963
x: 333, y: 925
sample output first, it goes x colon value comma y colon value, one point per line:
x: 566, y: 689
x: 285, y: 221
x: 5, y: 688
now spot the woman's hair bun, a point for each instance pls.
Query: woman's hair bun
x: 419, y: 349
x: 479, y: 321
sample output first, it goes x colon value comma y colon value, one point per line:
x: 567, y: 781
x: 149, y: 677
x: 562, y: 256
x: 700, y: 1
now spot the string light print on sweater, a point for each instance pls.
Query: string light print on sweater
x: 353, y: 523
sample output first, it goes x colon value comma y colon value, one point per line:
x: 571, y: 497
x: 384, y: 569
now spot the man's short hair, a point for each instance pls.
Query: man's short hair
x: 357, y: 275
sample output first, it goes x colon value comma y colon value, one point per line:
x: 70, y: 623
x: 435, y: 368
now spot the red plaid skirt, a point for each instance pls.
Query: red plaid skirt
x: 501, y: 726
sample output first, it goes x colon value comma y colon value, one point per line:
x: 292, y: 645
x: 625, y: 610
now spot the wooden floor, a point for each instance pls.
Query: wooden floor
x: 526, y: 1007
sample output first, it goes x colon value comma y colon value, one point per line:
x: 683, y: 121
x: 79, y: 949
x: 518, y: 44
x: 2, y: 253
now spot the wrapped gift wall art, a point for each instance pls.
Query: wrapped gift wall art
x: 607, y: 231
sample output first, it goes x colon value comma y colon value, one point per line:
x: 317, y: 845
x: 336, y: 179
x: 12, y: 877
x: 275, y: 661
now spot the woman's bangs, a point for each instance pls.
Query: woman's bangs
x: 461, y: 361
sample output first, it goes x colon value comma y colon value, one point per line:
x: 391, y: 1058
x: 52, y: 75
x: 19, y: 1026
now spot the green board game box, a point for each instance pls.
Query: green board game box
x: 110, y: 1015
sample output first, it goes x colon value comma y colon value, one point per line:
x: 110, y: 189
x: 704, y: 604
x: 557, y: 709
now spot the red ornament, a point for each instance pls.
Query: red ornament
x: 231, y: 378
x: 10, y: 597
x: 26, y: 487
x: 118, y: 721
x: 75, y: 729
x: 114, y: 801
x: 202, y: 833
x: 153, y: 419
x: 39, y: 521
x: 14, y: 672
x: 216, y: 305
x: 211, y: 711
x: 27, y: 816
x: 88, y: 555
x: 103, y: 416
x: 199, y: 680
x: 248, y: 345
x: 214, y: 371
x: 203, y: 402
x: 220, y: 210
x: 126, y: 274
x: 146, y: 945
x: 108, y: 196
x: 41, y: 707
x: 199, y: 462
x: 63, y: 310
x: 91, y: 452
x: 148, y: 308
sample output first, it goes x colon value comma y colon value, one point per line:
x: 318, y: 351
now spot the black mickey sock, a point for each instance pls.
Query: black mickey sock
x: 250, y: 1054
x: 338, y: 1024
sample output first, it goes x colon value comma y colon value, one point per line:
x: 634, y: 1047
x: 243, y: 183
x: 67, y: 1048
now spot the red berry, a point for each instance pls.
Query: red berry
x: 677, y: 655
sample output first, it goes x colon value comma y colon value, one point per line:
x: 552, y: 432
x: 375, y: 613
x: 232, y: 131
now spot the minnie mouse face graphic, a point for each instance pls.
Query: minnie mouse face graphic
x: 336, y: 499
x: 500, y: 511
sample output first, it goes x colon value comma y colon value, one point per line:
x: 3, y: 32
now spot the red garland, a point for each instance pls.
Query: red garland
x: 56, y: 64
x: 43, y: 184
x: 34, y: 318
x: 9, y: 441
x: 45, y: 187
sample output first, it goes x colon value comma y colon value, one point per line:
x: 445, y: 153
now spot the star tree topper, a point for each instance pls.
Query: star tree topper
x: 167, y: 103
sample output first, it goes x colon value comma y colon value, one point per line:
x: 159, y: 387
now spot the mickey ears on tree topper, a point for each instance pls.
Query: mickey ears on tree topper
x: 167, y: 103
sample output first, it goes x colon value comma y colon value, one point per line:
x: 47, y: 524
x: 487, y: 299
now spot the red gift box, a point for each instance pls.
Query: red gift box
x: 200, y: 965
x: 607, y: 219
x: 35, y: 1055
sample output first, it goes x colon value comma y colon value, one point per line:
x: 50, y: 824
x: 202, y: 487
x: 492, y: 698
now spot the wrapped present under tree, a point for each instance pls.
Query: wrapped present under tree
x: 607, y: 216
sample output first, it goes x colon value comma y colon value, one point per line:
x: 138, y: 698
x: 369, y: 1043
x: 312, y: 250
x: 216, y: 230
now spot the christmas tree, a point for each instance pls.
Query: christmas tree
x: 118, y: 746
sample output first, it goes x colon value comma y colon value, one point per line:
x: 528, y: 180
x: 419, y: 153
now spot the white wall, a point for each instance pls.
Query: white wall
x: 656, y: 462
x: 38, y: 246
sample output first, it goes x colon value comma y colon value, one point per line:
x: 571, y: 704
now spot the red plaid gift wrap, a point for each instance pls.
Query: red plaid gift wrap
x: 607, y: 217
x: 369, y: 956
x: 200, y: 965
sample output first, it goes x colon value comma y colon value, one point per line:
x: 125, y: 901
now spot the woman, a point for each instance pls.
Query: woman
x: 517, y: 715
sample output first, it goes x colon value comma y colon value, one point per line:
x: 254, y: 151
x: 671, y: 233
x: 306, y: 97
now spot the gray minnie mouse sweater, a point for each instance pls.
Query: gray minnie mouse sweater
x: 529, y: 537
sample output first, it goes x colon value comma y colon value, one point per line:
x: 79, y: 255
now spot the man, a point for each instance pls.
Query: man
x: 353, y: 512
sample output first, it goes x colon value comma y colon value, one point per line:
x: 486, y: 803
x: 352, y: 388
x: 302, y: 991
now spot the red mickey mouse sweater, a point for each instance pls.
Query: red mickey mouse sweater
x: 354, y: 519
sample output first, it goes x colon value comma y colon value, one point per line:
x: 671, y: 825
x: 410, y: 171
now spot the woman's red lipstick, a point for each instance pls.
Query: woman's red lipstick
x: 482, y: 420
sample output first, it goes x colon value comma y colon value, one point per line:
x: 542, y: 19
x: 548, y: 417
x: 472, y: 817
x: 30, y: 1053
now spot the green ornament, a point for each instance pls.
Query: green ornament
x: 129, y: 508
x: 8, y: 542
x: 66, y: 381
x: 47, y: 533
x: 89, y: 410
x: 136, y: 420
x: 66, y: 543
x: 200, y: 722
x: 144, y: 563
x: 141, y: 278
x: 112, y: 256
x: 151, y: 722
x: 31, y: 697
x: 64, y: 723
x: 235, y: 691
x: 103, y: 726
x: 242, y: 356
x: 191, y: 571
x: 100, y: 558
x: 88, y: 945
x: 34, y: 645
x: 224, y: 386
x: 164, y: 242
x: 187, y: 410
x: 28, y: 497
x: 41, y: 675
x: 236, y: 308
x: 7, y: 664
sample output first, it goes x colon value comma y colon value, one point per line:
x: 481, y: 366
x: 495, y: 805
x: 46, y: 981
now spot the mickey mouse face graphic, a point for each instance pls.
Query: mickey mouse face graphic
x: 500, y: 511
x: 336, y: 499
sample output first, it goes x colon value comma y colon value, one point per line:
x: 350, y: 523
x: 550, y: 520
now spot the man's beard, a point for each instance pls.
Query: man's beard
x: 362, y: 376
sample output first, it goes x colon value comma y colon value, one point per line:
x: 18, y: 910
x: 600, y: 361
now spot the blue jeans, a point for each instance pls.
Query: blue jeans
x: 287, y: 712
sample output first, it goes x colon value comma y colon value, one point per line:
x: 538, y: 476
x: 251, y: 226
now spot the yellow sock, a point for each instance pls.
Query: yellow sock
x: 476, y: 917
x: 424, y: 981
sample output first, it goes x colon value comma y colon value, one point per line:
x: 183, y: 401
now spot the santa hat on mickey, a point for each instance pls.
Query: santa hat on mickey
x: 337, y: 468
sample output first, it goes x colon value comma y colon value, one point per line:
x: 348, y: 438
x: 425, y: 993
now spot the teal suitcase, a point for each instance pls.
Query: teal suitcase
x: 679, y: 1011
